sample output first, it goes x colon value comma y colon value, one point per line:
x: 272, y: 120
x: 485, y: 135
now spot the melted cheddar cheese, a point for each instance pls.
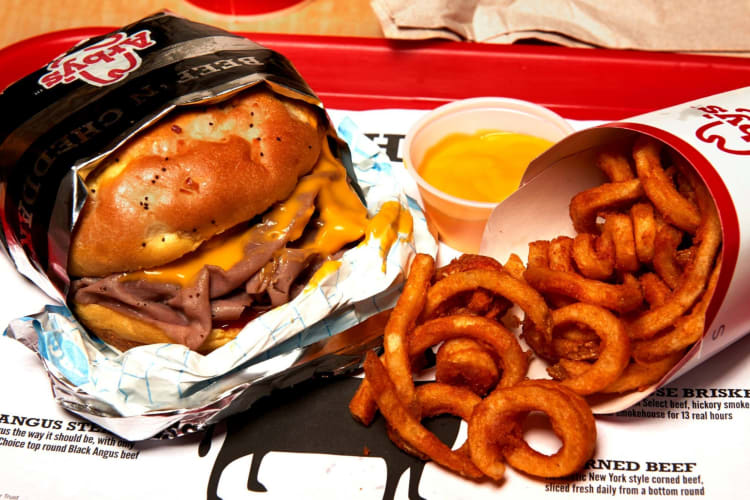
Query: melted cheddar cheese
x: 385, y: 227
x: 387, y: 224
x: 342, y: 219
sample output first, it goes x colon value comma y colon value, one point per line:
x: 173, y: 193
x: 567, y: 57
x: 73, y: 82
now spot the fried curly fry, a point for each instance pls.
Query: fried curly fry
x: 620, y: 228
x: 466, y: 363
x: 538, y: 254
x: 402, y: 319
x: 408, y: 426
x: 467, y: 262
x: 644, y: 231
x: 439, y: 399
x: 478, y: 302
x: 621, y: 298
x: 587, y: 205
x: 499, y: 282
x: 637, y: 376
x: 514, y: 266
x: 594, y: 255
x: 655, y: 291
x: 695, y: 276
x: 687, y: 330
x: 615, y: 346
x: 571, y: 342
x: 583, y: 408
x: 684, y: 256
x: 560, y: 253
x: 505, y: 346
x: 362, y: 406
x: 491, y: 431
x: 668, y: 238
x: 568, y: 341
x: 615, y: 165
x: 676, y: 209
x: 408, y: 307
x: 463, y: 361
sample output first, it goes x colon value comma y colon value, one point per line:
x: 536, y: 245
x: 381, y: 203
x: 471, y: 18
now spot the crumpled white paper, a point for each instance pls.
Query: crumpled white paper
x: 717, y: 27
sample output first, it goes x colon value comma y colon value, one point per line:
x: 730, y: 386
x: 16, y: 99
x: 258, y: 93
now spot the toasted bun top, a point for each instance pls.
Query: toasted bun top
x: 194, y: 174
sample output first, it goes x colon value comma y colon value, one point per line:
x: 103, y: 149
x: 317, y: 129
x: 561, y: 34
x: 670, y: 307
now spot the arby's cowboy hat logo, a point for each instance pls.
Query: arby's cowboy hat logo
x: 728, y: 129
x: 101, y: 64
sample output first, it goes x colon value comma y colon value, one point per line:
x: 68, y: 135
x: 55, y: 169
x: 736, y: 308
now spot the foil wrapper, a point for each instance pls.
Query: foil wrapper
x: 167, y: 390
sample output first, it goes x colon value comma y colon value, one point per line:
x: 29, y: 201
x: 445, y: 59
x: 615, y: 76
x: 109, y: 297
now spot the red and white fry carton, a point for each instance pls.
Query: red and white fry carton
x: 713, y: 135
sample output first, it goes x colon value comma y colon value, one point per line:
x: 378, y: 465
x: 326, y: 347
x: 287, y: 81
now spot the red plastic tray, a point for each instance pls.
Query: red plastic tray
x: 364, y: 73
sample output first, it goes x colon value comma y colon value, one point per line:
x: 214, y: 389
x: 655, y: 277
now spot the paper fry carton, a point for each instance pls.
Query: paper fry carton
x: 713, y: 135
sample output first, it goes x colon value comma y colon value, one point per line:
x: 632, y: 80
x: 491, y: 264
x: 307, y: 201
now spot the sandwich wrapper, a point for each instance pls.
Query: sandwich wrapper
x: 713, y: 135
x: 67, y: 117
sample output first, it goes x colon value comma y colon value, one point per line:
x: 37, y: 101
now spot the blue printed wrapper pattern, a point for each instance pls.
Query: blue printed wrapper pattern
x: 162, y: 377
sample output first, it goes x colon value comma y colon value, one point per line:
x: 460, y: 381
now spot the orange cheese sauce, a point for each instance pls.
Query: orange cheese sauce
x: 486, y: 166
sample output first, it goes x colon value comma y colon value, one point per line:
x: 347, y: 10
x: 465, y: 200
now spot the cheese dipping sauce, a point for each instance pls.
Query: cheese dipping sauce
x: 485, y: 166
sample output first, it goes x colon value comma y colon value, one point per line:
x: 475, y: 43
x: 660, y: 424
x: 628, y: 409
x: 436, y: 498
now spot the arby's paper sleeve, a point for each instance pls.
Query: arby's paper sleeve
x: 713, y: 135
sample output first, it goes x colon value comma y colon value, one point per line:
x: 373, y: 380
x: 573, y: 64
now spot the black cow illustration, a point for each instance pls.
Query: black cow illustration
x: 313, y: 417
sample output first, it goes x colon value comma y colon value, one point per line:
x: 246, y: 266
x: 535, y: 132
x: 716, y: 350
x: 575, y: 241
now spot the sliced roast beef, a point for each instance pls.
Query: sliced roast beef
x: 230, y: 308
x: 265, y: 276
x: 187, y: 311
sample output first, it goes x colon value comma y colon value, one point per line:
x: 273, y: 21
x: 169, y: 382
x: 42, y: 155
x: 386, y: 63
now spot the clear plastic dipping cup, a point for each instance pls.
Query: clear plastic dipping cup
x: 460, y: 222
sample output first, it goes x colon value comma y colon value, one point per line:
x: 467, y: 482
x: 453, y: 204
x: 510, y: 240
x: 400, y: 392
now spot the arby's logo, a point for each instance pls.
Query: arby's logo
x: 728, y: 129
x: 104, y: 63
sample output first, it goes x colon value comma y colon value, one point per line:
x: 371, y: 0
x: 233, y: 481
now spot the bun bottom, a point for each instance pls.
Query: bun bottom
x: 124, y: 332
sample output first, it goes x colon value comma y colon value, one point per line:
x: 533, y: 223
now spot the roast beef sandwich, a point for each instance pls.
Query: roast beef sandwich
x: 207, y: 219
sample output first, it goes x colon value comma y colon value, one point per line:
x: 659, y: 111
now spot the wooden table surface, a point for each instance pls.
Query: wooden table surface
x: 25, y: 18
